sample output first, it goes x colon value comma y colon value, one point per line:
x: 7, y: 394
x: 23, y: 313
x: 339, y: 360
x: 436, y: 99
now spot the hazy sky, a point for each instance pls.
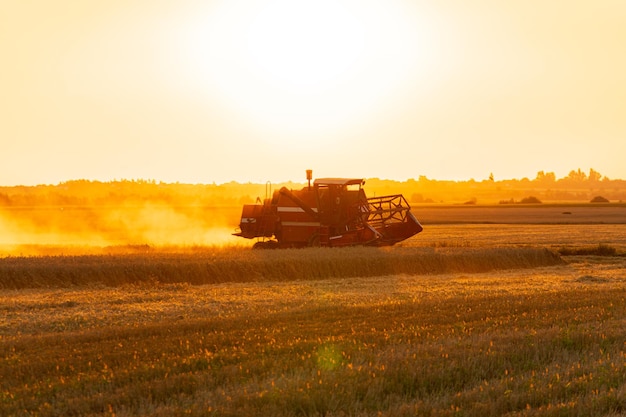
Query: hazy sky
x: 251, y: 90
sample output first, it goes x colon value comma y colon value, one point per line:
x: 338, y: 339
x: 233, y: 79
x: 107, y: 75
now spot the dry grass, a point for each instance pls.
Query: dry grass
x: 599, y: 250
x: 545, y: 341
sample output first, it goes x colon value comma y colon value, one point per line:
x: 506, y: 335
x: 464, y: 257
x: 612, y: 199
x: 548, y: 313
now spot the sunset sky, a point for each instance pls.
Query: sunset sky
x: 251, y: 90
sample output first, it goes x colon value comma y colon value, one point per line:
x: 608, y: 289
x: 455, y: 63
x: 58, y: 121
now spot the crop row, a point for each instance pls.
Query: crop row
x: 244, y: 265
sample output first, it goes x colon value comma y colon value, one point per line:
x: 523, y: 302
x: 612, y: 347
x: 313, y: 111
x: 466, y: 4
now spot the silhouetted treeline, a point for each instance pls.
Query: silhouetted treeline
x: 577, y: 186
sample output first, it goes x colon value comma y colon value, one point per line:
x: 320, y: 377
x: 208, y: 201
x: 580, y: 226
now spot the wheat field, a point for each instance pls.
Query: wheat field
x: 468, y: 321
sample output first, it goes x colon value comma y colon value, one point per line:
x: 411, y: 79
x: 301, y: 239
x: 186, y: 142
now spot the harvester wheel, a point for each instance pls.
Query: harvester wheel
x: 270, y: 244
x: 314, y: 240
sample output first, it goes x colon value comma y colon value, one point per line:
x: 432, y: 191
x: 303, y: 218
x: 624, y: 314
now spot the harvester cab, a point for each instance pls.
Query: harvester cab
x: 331, y: 212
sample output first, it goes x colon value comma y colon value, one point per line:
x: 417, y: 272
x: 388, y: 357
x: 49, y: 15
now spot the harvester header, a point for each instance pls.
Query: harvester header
x: 331, y: 212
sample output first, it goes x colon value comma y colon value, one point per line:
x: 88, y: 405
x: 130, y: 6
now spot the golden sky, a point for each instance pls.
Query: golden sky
x: 252, y: 90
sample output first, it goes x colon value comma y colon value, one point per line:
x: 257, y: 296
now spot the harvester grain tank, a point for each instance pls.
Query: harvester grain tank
x: 331, y: 212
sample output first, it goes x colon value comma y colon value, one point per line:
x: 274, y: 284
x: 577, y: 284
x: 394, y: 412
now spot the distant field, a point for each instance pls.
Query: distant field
x: 505, y: 235
x: 523, y: 214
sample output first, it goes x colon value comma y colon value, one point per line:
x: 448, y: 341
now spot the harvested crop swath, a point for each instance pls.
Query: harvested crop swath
x: 242, y: 265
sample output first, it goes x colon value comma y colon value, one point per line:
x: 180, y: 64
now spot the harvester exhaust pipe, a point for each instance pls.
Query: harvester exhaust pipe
x: 309, y: 176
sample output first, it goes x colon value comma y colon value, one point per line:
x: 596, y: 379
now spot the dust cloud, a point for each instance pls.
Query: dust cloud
x: 134, y: 227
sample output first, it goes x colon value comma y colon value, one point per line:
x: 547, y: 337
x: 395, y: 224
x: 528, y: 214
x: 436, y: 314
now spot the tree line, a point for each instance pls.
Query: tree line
x: 577, y: 186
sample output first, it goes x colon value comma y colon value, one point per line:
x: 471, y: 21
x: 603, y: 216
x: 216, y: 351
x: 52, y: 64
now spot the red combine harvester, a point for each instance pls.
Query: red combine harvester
x: 331, y: 212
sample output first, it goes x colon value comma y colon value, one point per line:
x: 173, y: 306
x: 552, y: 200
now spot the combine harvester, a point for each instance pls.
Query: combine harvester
x: 331, y: 212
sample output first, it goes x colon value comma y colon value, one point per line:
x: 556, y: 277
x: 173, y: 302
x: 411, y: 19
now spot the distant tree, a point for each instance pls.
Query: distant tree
x: 491, y: 177
x: 530, y: 200
x: 545, y: 177
x: 599, y: 199
x: 576, y: 176
x: 594, y: 175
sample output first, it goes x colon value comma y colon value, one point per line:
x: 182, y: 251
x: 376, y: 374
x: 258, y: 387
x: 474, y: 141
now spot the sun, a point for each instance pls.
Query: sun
x: 303, y: 67
x: 304, y: 47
